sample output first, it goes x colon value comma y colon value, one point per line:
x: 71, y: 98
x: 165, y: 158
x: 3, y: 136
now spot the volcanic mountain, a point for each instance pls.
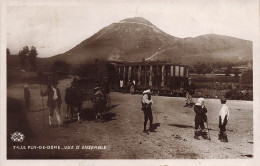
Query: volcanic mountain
x: 135, y: 38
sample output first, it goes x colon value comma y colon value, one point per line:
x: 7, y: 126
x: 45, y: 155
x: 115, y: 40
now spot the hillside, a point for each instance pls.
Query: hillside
x: 135, y: 38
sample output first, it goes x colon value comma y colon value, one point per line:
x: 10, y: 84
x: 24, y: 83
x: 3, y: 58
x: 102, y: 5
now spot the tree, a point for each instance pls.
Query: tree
x: 201, y: 68
x: 32, y: 58
x: 198, y: 68
x: 7, y: 52
x: 228, y: 71
x: 60, y: 67
x: 236, y: 72
x: 247, y: 77
x: 23, y: 56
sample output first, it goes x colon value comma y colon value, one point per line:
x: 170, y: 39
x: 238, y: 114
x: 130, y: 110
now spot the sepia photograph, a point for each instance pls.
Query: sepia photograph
x: 133, y: 80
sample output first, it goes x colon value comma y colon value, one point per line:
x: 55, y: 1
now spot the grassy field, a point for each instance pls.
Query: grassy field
x: 214, y: 86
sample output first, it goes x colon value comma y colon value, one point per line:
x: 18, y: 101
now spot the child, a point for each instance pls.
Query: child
x: 200, y: 111
x: 223, y: 120
x: 147, y: 102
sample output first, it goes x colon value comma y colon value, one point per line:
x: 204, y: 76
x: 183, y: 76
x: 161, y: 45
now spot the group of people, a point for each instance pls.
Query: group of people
x: 54, y: 103
x: 128, y: 87
x: 73, y: 99
x: 54, y: 100
x: 201, y: 118
x: 200, y: 113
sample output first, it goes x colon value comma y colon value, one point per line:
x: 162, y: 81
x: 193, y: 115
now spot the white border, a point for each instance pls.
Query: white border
x: 213, y: 162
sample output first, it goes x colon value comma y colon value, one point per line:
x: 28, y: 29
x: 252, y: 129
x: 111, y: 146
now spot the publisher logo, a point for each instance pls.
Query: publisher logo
x: 17, y: 137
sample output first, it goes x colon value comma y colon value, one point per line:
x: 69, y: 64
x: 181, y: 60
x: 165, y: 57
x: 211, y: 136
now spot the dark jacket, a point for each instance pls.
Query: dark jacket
x: 73, y: 96
x: 200, y: 113
x: 27, y: 94
x: 190, y: 88
x: 98, y: 98
x: 49, y: 92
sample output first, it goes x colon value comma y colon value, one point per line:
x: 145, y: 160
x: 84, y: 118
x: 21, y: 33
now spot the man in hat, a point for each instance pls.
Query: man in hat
x: 147, y: 108
x: 200, y: 116
x: 27, y: 97
x: 67, y: 99
x: 223, y: 120
x: 54, y: 102
x: 98, y: 102
x: 74, y: 99
x: 190, y: 89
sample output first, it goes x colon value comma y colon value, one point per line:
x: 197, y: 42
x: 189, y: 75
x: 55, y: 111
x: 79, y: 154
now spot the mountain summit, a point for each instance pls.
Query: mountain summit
x: 135, y: 38
x: 138, y: 20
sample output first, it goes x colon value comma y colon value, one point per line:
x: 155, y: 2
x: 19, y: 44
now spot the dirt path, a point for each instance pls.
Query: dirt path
x: 122, y: 134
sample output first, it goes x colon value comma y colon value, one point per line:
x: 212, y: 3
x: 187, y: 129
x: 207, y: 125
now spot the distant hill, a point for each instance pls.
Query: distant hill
x: 135, y: 38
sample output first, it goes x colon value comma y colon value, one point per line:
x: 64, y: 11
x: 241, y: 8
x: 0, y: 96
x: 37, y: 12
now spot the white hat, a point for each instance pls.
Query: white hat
x: 147, y: 91
x: 96, y: 88
x: 200, y: 100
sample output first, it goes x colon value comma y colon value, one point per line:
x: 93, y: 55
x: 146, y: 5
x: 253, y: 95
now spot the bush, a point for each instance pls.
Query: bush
x: 213, y: 86
x: 236, y: 72
x: 247, y: 77
x: 61, y: 68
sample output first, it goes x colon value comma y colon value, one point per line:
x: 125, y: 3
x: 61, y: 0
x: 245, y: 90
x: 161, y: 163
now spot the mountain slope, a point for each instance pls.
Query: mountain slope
x: 135, y: 38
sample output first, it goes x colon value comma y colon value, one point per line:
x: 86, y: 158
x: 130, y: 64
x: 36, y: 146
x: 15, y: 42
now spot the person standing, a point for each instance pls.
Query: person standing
x: 75, y: 80
x: 121, y: 85
x: 147, y: 108
x: 74, y: 99
x: 132, y: 88
x: 200, y: 111
x: 223, y: 120
x: 98, y: 103
x: 190, y: 89
x: 27, y: 97
x: 67, y: 99
x: 54, y: 102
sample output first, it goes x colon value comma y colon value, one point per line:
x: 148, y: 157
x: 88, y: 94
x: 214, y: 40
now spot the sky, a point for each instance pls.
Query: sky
x: 56, y: 26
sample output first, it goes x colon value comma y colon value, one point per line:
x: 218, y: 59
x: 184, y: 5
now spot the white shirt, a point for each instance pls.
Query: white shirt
x: 145, y: 99
x: 55, y: 96
x: 98, y: 92
x: 121, y: 83
x: 224, y: 111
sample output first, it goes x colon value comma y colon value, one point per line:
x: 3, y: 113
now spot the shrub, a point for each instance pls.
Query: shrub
x: 247, y: 77
x: 61, y: 68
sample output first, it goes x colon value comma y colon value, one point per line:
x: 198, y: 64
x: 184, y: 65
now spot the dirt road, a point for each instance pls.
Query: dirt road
x: 121, y: 132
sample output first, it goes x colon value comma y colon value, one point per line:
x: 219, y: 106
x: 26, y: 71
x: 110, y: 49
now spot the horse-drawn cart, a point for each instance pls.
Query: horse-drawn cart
x: 90, y: 90
x: 84, y: 91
